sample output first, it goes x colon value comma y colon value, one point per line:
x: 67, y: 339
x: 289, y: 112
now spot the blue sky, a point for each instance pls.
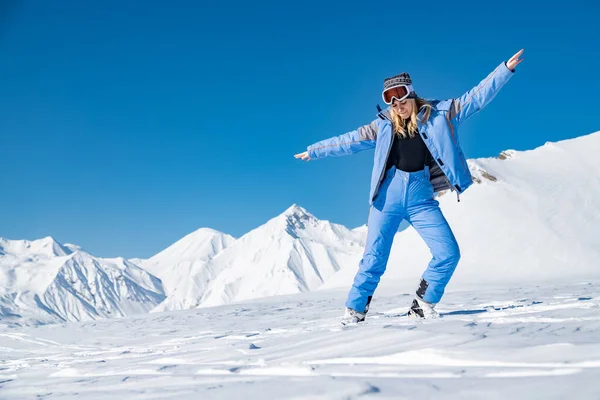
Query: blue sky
x: 126, y: 125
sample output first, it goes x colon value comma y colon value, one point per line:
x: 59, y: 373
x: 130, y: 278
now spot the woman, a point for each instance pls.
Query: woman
x: 416, y: 154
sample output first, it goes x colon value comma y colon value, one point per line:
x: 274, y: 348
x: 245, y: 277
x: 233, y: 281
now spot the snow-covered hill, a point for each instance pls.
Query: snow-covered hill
x: 43, y: 281
x: 183, y: 268
x: 534, y: 216
x: 292, y: 253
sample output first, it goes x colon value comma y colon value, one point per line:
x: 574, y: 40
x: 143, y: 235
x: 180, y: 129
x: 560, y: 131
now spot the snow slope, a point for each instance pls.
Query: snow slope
x: 532, y: 216
x: 524, y: 342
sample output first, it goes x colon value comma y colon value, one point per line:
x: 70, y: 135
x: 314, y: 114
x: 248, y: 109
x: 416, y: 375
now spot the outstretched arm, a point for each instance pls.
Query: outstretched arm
x: 363, y: 138
x: 478, y: 97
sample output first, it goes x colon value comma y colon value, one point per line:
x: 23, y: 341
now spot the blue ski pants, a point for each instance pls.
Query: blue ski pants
x: 405, y: 195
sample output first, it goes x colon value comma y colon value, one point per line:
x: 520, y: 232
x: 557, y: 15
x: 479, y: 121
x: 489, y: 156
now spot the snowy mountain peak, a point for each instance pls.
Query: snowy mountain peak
x: 182, y: 266
x: 72, y: 247
x: 296, y: 211
x: 291, y: 253
x: 206, y: 232
x: 46, y: 246
x: 44, y: 281
x: 294, y: 220
x: 296, y: 215
x: 201, y: 244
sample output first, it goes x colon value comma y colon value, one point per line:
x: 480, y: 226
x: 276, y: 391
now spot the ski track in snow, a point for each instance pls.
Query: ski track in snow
x: 540, y: 342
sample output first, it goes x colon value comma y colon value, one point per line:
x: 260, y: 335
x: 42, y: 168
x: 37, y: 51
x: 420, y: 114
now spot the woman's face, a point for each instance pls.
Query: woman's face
x: 402, y: 108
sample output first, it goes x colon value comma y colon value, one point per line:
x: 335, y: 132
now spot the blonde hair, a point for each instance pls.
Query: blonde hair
x: 410, y: 129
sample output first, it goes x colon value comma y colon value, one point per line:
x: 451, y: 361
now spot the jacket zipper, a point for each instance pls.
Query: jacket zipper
x: 452, y: 189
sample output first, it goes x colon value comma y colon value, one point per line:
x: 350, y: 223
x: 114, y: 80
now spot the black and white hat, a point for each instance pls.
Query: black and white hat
x: 402, y: 79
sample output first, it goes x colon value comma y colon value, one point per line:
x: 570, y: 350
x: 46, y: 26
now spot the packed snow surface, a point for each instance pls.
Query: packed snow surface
x: 519, y: 342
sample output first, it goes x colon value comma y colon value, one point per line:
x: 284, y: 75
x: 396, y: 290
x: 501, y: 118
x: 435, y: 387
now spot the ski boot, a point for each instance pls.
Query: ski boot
x: 353, y: 317
x: 420, y: 309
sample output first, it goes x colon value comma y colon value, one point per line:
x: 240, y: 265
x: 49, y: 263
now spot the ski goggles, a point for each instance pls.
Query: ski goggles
x: 398, y: 93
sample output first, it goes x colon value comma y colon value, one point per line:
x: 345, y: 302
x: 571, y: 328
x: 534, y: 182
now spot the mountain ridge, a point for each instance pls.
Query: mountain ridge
x: 526, y: 215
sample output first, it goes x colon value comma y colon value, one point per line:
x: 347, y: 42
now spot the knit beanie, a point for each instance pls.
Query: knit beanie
x: 399, y: 80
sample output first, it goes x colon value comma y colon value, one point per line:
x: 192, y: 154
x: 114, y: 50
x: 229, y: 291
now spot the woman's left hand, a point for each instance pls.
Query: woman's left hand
x: 515, y: 60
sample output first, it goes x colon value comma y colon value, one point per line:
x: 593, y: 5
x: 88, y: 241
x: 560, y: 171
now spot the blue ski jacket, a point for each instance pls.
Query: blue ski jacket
x: 440, y: 134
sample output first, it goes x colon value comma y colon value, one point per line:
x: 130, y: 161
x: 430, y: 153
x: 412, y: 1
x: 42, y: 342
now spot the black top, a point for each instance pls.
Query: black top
x: 409, y: 155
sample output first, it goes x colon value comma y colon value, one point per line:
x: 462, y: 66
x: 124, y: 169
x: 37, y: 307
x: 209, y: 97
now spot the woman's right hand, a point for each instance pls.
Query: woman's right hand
x: 303, y: 156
